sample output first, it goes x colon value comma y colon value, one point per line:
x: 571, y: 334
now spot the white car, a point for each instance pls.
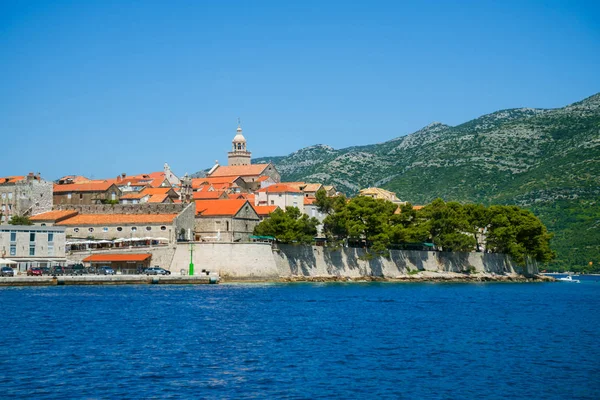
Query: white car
x: 157, y: 271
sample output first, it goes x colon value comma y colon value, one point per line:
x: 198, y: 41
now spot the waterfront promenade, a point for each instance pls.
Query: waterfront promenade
x: 108, y: 280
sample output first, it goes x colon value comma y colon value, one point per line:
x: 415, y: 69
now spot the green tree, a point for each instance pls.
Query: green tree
x: 519, y: 233
x: 20, y: 220
x: 289, y: 226
x: 448, y: 226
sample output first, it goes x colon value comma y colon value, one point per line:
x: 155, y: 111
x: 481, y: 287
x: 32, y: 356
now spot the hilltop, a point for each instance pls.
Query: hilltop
x: 547, y: 160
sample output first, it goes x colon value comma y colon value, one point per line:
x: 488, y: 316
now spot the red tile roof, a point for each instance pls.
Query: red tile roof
x: 156, y: 190
x: 309, y: 200
x: 117, y: 257
x: 83, y: 187
x: 210, y: 208
x: 239, y: 170
x: 134, y: 195
x: 279, y: 188
x: 56, y: 215
x: 263, y: 211
x: 158, y: 198
x: 116, y: 219
x: 211, y: 195
x: 11, y: 179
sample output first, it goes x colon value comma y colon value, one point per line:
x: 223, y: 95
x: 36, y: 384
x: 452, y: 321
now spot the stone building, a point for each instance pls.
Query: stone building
x: 378, y: 193
x: 32, y: 246
x: 239, y: 160
x: 24, y: 195
x: 225, y: 220
x: 86, y: 193
x: 171, y: 222
x: 280, y: 195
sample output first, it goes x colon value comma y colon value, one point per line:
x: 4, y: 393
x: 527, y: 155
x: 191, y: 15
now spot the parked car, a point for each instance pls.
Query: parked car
x: 7, y: 271
x: 57, y: 270
x: 157, y: 271
x: 77, y: 269
x: 34, y: 272
x: 46, y: 270
x: 105, y: 271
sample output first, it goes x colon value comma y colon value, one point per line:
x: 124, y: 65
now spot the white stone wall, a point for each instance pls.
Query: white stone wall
x: 260, y: 262
x: 27, y: 197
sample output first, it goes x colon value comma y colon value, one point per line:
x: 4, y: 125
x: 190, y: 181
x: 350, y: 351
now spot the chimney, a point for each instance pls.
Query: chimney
x: 38, y: 177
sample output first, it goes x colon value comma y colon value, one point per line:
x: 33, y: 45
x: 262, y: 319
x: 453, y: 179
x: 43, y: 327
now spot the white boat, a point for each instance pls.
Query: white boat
x: 568, y: 279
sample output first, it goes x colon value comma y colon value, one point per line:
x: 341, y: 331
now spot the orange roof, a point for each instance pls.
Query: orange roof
x: 197, y: 182
x: 134, y: 195
x: 229, y: 207
x: 74, y: 178
x: 11, y: 179
x: 249, y: 196
x: 158, y: 198
x: 116, y: 219
x: 117, y: 257
x: 239, y: 170
x: 156, y: 190
x: 263, y: 211
x: 210, y: 195
x: 309, y: 200
x: 279, y: 188
x: 83, y: 187
x: 55, y: 215
x: 263, y: 178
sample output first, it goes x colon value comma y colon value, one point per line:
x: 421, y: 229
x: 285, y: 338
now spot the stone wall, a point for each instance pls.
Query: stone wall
x: 259, y: 261
x: 161, y: 255
x: 146, y: 208
x: 351, y: 262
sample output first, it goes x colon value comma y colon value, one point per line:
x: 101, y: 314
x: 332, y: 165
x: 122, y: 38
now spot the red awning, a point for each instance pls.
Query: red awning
x: 117, y: 257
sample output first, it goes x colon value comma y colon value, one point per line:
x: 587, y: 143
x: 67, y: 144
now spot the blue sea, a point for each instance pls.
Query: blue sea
x: 302, y: 341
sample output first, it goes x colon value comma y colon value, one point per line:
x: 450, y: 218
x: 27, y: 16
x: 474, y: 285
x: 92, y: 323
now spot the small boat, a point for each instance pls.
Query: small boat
x: 568, y: 279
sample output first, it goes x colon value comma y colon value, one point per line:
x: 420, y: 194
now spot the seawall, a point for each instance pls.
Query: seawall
x: 261, y: 261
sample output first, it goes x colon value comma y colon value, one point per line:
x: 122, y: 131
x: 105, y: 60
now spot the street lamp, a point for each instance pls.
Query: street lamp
x: 191, y: 272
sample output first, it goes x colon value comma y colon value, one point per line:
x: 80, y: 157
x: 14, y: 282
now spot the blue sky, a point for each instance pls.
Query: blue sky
x: 103, y: 87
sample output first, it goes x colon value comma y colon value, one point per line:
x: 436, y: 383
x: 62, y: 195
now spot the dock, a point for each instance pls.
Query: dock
x: 109, y: 280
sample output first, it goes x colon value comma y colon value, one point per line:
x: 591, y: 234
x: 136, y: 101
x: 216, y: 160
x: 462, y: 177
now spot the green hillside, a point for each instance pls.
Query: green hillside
x: 544, y: 160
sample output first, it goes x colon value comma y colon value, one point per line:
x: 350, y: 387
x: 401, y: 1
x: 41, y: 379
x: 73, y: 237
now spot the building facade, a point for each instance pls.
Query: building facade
x: 33, y: 246
x: 24, y: 196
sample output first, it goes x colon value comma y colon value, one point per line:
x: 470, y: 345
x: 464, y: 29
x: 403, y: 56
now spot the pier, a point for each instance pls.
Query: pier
x: 109, y: 280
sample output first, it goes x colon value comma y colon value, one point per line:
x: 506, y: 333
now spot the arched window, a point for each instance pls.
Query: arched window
x: 119, y: 229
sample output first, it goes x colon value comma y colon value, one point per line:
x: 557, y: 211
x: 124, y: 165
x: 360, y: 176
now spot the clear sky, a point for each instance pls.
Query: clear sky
x: 102, y: 87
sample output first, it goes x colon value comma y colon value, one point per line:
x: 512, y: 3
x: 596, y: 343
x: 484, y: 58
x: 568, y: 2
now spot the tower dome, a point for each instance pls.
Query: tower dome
x: 239, y: 154
x: 239, y: 137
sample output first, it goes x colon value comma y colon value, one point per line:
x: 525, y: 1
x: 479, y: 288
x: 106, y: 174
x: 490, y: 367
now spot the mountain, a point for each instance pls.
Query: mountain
x: 547, y: 160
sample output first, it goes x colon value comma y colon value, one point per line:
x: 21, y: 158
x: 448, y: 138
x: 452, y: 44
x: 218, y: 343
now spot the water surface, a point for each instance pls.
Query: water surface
x: 305, y: 341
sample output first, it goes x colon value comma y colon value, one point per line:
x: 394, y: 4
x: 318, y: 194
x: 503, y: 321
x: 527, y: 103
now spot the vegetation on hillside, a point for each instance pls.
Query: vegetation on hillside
x: 546, y: 161
x: 450, y: 226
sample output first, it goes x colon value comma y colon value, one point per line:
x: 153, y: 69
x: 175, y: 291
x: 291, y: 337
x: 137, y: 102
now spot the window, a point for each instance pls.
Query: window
x: 76, y: 230
x: 113, y: 196
x: 13, y: 249
x: 32, y: 249
x: 13, y: 236
x: 105, y: 229
x: 50, y: 236
x: 69, y: 195
x: 32, y: 236
x: 80, y: 196
x: 91, y: 229
x: 133, y: 229
x: 10, y: 195
x: 163, y: 228
x: 119, y: 229
x: 227, y: 226
x: 148, y: 228
x: 50, y: 250
x: 3, y: 195
x: 272, y: 202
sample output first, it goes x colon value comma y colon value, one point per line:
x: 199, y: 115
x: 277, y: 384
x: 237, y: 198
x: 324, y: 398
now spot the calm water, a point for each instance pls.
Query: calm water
x: 375, y: 340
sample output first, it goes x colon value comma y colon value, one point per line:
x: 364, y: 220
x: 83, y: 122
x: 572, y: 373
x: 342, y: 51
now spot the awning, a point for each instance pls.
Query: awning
x: 6, y: 261
x: 115, y: 257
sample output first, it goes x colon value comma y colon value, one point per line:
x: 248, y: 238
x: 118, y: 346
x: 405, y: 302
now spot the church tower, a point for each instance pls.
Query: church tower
x: 239, y: 155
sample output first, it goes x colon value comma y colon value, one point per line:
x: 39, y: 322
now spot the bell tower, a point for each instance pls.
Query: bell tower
x: 239, y: 155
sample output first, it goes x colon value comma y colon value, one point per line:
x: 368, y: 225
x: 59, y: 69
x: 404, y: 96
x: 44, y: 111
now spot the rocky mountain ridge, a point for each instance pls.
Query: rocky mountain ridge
x: 535, y: 158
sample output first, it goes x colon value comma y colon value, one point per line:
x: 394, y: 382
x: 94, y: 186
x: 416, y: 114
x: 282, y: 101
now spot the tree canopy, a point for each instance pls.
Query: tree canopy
x: 380, y: 225
x: 20, y: 220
